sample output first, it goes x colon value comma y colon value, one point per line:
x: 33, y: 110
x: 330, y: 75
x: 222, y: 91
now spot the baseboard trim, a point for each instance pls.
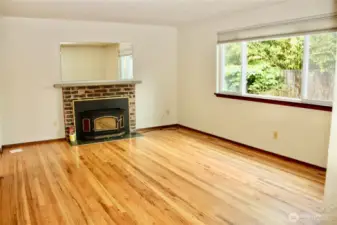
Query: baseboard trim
x: 32, y: 143
x: 176, y: 126
x: 285, y: 158
x: 142, y: 130
x: 148, y: 129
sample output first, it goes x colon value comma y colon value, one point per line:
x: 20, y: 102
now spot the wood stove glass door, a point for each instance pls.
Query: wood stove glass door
x: 106, y: 123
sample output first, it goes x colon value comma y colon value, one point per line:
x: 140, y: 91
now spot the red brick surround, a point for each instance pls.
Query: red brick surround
x: 70, y: 94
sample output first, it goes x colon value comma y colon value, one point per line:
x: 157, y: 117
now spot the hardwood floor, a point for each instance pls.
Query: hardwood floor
x: 166, y: 177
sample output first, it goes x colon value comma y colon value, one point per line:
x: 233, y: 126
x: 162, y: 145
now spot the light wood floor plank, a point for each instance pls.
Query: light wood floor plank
x: 173, y: 176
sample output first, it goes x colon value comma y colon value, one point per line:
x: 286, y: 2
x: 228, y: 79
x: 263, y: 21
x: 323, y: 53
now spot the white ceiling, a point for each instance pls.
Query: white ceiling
x: 163, y: 12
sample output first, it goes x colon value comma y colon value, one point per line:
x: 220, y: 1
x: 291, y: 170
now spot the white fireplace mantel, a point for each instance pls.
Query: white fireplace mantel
x: 94, y: 83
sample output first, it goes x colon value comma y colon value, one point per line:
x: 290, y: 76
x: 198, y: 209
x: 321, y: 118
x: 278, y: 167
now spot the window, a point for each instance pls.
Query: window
x: 297, y: 68
x: 321, y: 68
x: 233, y: 67
x: 126, y: 67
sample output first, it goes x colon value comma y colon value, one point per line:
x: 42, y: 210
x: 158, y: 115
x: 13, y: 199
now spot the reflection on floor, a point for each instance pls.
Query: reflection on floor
x: 172, y: 176
x: 125, y: 136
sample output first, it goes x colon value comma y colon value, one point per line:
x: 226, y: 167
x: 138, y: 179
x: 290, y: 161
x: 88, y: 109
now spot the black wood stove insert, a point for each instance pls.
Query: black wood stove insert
x: 102, y: 118
x: 97, y: 124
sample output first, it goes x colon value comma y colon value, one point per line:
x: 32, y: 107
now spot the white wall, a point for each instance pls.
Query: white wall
x: 34, y: 108
x: 303, y: 133
x: 2, y: 55
x: 330, y: 196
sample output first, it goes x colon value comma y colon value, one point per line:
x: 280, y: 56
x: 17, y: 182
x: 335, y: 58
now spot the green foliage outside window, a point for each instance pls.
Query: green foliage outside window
x: 270, y: 62
x: 323, y: 52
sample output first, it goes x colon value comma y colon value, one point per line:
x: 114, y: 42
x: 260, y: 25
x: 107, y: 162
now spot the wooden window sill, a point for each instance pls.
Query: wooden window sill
x: 276, y: 102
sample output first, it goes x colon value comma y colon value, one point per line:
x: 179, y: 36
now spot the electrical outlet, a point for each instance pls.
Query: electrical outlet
x: 275, y: 135
x: 168, y: 112
x: 81, y: 92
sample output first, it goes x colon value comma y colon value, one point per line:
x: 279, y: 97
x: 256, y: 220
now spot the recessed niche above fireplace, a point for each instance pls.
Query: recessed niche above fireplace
x: 92, y: 61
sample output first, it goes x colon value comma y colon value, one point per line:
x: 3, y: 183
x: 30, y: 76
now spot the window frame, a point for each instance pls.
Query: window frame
x: 302, y: 102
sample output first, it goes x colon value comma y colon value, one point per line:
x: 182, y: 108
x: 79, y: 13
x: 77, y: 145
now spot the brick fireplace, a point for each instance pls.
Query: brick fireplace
x: 85, y: 93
